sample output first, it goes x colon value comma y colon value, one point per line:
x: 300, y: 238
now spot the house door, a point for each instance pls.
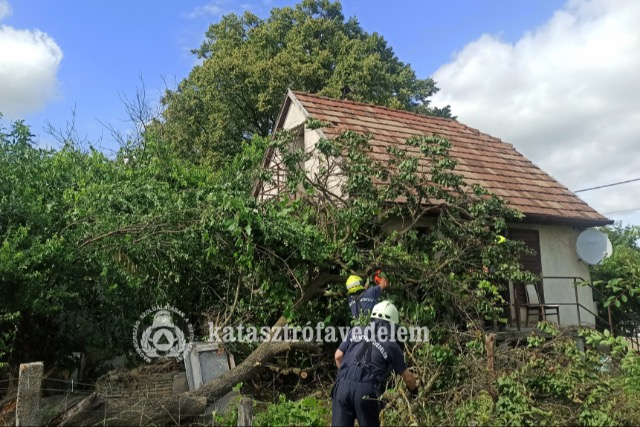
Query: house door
x: 530, y: 262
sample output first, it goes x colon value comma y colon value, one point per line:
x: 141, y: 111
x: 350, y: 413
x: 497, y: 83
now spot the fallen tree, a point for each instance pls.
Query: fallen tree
x: 96, y: 409
x: 99, y: 410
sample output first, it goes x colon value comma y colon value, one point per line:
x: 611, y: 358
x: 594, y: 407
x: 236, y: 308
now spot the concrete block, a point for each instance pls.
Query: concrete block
x: 29, y: 391
x: 180, y: 383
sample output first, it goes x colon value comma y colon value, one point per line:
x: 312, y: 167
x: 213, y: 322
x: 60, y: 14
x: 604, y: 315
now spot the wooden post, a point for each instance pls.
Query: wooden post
x: 245, y: 412
x: 29, y: 390
x: 490, y: 342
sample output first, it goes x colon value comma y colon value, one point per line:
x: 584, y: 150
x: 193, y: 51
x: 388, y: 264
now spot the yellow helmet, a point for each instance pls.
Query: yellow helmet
x: 354, y: 284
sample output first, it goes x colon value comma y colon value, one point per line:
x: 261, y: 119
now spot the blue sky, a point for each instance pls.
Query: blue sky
x: 554, y: 78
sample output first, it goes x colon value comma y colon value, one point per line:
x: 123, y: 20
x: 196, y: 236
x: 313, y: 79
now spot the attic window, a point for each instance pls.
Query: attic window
x: 298, y: 143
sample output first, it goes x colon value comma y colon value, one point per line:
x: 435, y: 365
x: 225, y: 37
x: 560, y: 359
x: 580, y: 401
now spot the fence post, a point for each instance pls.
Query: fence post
x: 490, y: 341
x: 245, y: 412
x: 29, y: 390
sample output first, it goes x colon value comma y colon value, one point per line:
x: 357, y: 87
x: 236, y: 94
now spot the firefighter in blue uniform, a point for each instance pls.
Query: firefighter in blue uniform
x: 364, y: 359
x: 361, y: 297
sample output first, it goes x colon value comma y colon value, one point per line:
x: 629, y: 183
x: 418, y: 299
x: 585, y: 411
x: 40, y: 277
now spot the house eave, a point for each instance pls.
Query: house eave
x: 564, y: 220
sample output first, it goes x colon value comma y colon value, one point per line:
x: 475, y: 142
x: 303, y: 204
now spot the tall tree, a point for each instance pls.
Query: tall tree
x: 248, y: 63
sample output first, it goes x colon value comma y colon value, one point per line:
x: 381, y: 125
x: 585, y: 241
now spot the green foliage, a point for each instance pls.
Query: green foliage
x: 227, y: 419
x: 477, y: 411
x: 89, y: 243
x: 617, y: 344
x: 305, y: 412
x: 631, y: 368
x: 515, y: 405
x: 248, y: 64
x: 549, y: 383
x: 618, y: 278
x: 8, y: 322
x: 442, y: 268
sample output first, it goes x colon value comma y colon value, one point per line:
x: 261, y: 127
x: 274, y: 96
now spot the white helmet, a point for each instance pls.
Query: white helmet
x: 386, y: 311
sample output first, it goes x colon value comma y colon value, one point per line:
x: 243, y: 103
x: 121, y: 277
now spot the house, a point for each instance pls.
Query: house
x: 553, y: 215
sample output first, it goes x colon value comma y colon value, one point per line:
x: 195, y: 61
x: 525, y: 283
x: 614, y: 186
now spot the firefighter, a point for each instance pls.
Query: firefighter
x: 362, y: 297
x: 364, y: 359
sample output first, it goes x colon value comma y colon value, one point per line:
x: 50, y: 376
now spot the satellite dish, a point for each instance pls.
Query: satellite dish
x: 593, y: 247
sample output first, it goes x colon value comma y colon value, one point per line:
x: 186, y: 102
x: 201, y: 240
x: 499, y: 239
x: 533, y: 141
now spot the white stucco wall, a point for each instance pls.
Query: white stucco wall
x: 559, y: 258
x: 295, y: 117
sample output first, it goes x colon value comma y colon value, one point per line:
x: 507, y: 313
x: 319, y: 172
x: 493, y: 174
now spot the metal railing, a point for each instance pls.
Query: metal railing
x: 630, y: 331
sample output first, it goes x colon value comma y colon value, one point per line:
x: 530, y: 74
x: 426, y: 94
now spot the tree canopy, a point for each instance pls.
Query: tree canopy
x: 248, y: 64
x: 90, y: 242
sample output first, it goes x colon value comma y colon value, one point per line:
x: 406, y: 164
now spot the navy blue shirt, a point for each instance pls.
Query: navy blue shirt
x: 365, y: 300
x: 385, y: 352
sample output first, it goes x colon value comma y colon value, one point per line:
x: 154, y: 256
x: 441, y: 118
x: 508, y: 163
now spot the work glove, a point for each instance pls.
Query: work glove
x: 378, y: 275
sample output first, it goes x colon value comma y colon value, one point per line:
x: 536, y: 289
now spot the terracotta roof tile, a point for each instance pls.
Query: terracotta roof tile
x: 481, y: 158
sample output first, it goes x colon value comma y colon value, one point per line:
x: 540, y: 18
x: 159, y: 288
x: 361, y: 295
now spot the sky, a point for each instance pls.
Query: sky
x: 557, y: 79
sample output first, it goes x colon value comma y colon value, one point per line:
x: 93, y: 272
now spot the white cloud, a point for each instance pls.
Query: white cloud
x: 29, y: 62
x: 5, y: 9
x: 567, y: 95
x: 215, y: 8
x: 218, y: 8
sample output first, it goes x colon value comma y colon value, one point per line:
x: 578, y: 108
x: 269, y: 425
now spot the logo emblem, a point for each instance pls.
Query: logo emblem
x: 164, y: 337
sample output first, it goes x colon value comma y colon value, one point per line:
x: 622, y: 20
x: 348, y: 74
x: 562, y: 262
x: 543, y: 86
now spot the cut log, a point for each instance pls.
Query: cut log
x: 490, y: 341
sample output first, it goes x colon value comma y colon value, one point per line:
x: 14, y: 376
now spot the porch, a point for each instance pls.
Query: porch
x: 577, y: 308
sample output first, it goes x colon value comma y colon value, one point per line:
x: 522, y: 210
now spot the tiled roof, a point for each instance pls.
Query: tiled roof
x: 481, y: 158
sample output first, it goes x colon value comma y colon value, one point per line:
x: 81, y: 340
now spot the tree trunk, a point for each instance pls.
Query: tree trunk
x: 250, y: 366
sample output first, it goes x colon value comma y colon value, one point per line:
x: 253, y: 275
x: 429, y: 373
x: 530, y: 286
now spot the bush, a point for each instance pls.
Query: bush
x: 305, y: 412
x: 542, y: 380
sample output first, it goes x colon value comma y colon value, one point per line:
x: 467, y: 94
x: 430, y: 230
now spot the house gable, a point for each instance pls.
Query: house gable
x: 292, y: 118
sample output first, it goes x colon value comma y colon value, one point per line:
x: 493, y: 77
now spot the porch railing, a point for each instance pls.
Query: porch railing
x: 628, y: 326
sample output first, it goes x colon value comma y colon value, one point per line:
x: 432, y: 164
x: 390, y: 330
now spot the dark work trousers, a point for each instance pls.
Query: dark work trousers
x: 354, y: 397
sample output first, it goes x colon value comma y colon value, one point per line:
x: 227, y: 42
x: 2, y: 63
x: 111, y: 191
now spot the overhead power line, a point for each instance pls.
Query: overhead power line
x: 607, y: 185
x: 625, y: 210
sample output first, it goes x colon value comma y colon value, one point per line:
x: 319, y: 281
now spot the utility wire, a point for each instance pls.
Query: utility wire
x: 626, y: 210
x: 607, y: 185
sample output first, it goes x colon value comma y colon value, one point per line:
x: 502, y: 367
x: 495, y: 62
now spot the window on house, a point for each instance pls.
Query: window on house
x: 530, y: 262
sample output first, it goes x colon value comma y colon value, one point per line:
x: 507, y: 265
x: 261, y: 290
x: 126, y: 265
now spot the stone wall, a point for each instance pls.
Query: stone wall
x: 128, y: 385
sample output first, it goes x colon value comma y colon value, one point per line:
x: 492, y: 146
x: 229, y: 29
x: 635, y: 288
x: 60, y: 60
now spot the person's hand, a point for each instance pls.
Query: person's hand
x: 377, y: 276
x: 380, y: 279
